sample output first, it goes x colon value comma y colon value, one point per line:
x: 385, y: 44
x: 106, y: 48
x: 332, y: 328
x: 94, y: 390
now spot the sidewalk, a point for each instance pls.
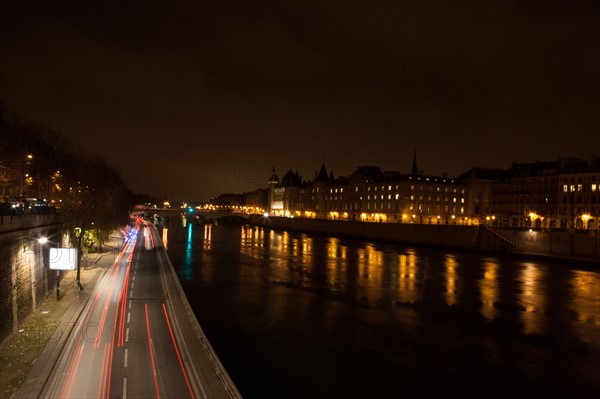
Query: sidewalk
x: 27, y: 357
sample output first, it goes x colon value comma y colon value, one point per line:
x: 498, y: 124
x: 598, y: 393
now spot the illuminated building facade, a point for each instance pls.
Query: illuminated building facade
x: 557, y: 194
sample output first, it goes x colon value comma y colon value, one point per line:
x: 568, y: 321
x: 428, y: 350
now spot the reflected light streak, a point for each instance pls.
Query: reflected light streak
x: 187, y: 271
x: 488, y: 287
x: 407, y: 278
x: 450, y: 264
x: 532, y: 299
x: 165, y: 237
x: 585, y: 303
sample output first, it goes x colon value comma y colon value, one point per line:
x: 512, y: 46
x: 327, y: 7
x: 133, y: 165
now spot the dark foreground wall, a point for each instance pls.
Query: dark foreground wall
x: 24, y: 282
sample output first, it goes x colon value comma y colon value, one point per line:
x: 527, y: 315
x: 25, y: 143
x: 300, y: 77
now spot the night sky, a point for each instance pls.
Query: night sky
x: 193, y: 99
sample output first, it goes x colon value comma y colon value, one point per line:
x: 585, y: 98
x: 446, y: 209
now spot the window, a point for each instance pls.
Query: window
x: 397, y: 196
x: 462, y: 200
x: 368, y: 197
x: 412, y: 188
x: 454, y: 199
x: 579, y: 187
x: 565, y: 188
x: 412, y: 197
x: 389, y: 196
x: 594, y: 187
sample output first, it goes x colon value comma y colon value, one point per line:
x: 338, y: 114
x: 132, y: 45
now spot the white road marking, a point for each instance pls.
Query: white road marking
x: 127, y: 335
x: 125, y: 362
x: 128, y: 316
x: 124, y: 387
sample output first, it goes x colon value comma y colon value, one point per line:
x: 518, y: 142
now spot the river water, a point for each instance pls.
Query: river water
x: 296, y: 315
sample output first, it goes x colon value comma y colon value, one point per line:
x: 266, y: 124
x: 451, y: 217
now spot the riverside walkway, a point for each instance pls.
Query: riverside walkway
x: 133, y: 336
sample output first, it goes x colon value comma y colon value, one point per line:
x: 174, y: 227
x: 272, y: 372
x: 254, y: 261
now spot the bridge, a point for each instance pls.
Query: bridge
x: 202, y: 215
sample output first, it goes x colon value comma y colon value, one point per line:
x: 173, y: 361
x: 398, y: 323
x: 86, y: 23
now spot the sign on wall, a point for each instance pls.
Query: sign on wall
x: 63, y: 258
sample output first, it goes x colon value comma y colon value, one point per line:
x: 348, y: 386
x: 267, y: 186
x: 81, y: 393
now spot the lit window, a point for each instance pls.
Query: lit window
x: 341, y: 190
x: 412, y: 188
x: 462, y: 200
x: 389, y: 196
x: 454, y: 199
x: 572, y: 187
x: 397, y: 196
x: 594, y: 187
x: 375, y: 188
x: 381, y: 196
x: 412, y: 197
x: 390, y: 188
x: 579, y: 187
x: 565, y: 188
x: 368, y: 197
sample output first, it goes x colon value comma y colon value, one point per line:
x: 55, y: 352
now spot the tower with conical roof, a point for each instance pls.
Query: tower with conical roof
x: 273, y: 183
x: 414, y: 169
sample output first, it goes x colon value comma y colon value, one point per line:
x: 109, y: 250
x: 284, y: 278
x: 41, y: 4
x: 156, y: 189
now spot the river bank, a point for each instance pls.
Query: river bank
x: 559, y: 245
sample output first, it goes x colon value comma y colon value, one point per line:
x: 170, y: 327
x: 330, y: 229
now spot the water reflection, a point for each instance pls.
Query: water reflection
x: 187, y: 271
x: 450, y: 265
x: 585, y: 305
x: 165, y: 237
x: 533, y: 299
x: 488, y: 286
x: 372, y: 312
x: 408, y: 278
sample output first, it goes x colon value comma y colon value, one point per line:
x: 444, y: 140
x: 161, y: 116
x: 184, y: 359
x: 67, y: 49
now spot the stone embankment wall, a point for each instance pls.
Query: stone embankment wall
x: 445, y: 236
x: 582, y: 245
x: 24, y: 282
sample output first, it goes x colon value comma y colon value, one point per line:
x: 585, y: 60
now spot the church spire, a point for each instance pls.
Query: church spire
x: 414, y: 170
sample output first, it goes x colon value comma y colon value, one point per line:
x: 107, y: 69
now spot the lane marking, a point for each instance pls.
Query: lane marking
x: 125, y: 361
x: 127, y: 335
x: 187, y: 381
x: 129, y: 305
x: 151, y: 352
x: 128, y: 316
x: 124, y: 387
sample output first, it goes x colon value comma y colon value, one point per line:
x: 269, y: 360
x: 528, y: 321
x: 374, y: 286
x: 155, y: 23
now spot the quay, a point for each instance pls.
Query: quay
x: 130, y: 333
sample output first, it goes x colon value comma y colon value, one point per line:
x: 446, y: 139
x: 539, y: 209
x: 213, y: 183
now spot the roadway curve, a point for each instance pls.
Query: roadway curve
x: 134, y: 339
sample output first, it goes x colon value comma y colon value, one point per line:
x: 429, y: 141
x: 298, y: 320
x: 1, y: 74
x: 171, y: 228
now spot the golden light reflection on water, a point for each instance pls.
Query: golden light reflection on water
x: 207, y: 242
x: 407, y: 278
x: 450, y: 265
x: 585, y: 303
x: 488, y: 287
x: 336, y: 264
x: 532, y: 299
x: 165, y: 236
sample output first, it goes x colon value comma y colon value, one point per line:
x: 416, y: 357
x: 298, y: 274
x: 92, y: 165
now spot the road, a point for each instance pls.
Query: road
x: 128, y: 342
